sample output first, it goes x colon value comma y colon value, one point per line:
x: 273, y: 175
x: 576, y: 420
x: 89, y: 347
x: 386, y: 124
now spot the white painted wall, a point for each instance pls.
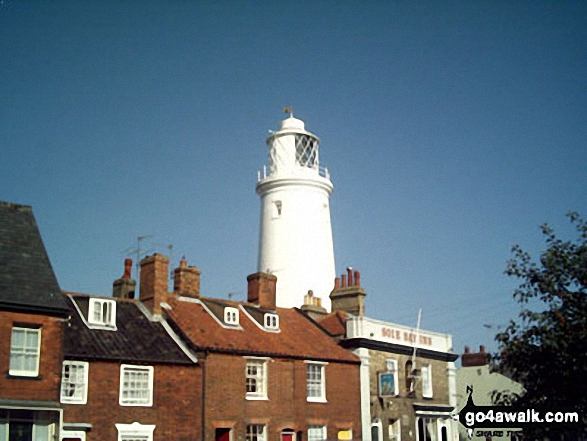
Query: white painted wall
x: 295, y: 241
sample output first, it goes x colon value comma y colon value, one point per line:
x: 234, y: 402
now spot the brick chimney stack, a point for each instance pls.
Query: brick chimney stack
x: 124, y: 288
x: 186, y: 280
x: 153, y: 288
x: 262, y: 290
x: 480, y: 358
x: 347, y: 295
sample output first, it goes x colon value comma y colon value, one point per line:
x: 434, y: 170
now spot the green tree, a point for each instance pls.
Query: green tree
x: 545, y: 349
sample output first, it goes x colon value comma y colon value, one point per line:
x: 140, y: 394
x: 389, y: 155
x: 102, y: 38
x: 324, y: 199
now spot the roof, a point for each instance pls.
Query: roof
x: 334, y: 323
x: 137, y: 339
x: 27, y: 280
x: 298, y: 337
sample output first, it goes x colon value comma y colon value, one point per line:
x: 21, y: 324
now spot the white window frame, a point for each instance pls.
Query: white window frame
x: 259, y: 379
x: 271, y: 321
x: 135, y: 431
x: 102, y: 313
x: 74, y: 376
x: 256, y: 432
x: 24, y: 351
x: 141, y: 401
x: 394, y: 430
x: 391, y: 366
x: 317, y: 433
x: 426, y: 372
x: 316, y: 384
x: 231, y: 316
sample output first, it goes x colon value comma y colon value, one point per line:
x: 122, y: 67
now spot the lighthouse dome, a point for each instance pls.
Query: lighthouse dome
x: 292, y: 123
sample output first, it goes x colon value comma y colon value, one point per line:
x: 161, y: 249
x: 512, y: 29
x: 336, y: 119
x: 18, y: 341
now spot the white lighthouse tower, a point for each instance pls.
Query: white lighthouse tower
x: 295, y: 242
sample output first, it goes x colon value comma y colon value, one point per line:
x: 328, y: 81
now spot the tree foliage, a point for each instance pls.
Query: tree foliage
x: 545, y: 349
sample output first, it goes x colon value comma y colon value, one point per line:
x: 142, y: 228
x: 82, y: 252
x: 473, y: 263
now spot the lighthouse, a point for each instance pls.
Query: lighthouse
x: 295, y: 240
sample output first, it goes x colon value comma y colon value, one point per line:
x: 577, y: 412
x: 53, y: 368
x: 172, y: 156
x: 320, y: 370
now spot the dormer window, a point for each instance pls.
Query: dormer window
x: 102, y: 313
x: 272, y: 321
x: 231, y: 316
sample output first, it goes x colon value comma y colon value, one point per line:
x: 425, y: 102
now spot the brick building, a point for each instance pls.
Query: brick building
x: 126, y: 374
x: 407, y: 374
x: 167, y: 365
x: 268, y: 374
x: 32, y: 316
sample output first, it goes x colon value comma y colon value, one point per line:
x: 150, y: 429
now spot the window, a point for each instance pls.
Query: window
x: 306, y: 151
x: 74, y: 382
x: 255, y: 432
x: 102, y: 313
x: 135, y: 432
x: 256, y: 379
x: 277, y: 205
x: 394, y: 430
x: 426, y: 429
x: 231, y: 316
x: 136, y: 385
x: 427, y: 381
x: 25, y: 351
x: 316, y: 382
x: 25, y: 425
x: 316, y: 433
x: 272, y: 321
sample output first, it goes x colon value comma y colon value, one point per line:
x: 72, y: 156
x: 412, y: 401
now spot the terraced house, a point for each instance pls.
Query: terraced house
x: 160, y: 364
x: 32, y: 317
x: 268, y: 373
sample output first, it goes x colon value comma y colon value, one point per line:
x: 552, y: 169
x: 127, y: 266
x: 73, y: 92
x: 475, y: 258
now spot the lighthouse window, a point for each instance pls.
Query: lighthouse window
x: 276, y: 209
x: 306, y: 151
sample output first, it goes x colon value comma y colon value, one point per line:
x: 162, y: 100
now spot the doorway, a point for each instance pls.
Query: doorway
x: 288, y: 435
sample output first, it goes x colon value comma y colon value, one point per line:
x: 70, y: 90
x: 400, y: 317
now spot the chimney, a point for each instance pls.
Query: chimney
x: 262, y: 290
x: 313, y: 306
x: 186, y: 280
x: 472, y: 359
x: 347, y: 295
x: 153, y: 289
x: 124, y: 288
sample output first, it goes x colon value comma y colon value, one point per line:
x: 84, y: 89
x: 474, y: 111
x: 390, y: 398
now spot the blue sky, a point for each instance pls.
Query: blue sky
x: 452, y: 130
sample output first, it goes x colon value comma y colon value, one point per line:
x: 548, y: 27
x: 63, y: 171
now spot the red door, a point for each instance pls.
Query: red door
x: 288, y: 435
x: 222, y: 434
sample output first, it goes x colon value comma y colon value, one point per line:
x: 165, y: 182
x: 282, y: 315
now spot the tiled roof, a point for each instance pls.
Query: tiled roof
x: 137, y: 339
x: 334, y: 323
x: 299, y: 337
x: 27, y: 280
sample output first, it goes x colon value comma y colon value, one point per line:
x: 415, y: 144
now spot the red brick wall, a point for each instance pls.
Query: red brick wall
x: 22, y: 388
x: 287, y: 405
x: 176, y: 409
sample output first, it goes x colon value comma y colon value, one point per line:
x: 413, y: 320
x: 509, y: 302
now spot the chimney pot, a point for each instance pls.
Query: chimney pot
x: 357, y: 278
x: 482, y: 348
x: 127, y: 268
x: 467, y: 350
x: 349, y: 272
x: 343, y: 281
x: 336, y: 284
